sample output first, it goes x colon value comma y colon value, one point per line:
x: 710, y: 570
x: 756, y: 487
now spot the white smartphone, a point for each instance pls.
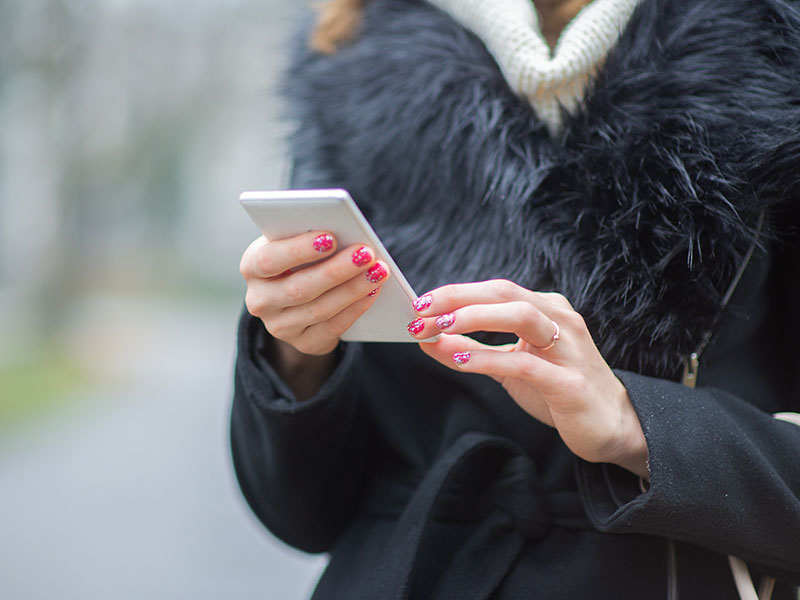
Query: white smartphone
x: 285, y: 213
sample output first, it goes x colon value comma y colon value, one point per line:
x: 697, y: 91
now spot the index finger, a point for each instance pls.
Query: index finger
x: 451, y: 297
x: 265, y: 259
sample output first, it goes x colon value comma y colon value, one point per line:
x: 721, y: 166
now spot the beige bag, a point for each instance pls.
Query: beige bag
x: 741, y: 574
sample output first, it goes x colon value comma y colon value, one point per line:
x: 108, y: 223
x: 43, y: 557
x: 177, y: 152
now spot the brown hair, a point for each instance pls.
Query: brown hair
x: 337, y: 24
x: 338, y: 21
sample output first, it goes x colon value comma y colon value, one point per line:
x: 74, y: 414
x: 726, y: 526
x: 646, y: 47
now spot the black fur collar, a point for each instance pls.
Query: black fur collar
x: 639, y: 213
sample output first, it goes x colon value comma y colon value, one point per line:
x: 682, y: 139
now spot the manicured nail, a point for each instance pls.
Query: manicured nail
x: 376, y: 273
x: 416, y: 326
x: 375, y: 291
x: 423, y: 302
x: 361, y: 257
x: 445, y: 321
x: 323, y: 243
x: 461, y: 358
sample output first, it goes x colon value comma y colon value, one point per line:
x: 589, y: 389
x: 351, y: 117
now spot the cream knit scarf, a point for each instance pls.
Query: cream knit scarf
x: 510, y: 31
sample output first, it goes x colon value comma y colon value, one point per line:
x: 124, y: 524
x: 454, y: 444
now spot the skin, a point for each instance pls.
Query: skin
x: 306, y: 310
x: 554, y: 15
x: 339, y: 21
x: 568, y: 386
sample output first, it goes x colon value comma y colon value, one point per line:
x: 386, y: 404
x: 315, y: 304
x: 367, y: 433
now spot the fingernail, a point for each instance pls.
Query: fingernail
x: 323, y: 243
x: 445, y: 321
x: 361, y: 257
x: 461, y: 358
x: 416, y: 326
x: 423, y: 302
x: 376, y: 273
x: 373, y: 292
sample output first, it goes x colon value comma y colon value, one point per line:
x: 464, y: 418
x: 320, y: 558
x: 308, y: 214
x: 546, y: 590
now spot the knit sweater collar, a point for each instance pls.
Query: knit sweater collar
x: 510, y: 30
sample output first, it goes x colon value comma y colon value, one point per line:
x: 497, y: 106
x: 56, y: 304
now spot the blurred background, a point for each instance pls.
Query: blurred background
x: 128, y: 128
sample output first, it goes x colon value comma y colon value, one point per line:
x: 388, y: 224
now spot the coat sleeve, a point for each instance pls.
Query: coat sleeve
x: 724, y: 475
x: 300, y: 465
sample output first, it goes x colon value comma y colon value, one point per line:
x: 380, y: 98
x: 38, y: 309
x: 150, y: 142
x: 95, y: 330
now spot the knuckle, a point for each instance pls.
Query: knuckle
x: 293, y: 293
x: 331, y: 272
x: 280, y: 329
x: 263, y: 262
x: 528, y: 311
x: 246, y: 262
x: 297, y: 251
x: 560, y: 300
x: 254, y: 302
x: 506, y: 289
x: 574, y: 320
x: 521, y: 367
x: 445, y: 293
x: 244, y: 266
x: 318, y: 313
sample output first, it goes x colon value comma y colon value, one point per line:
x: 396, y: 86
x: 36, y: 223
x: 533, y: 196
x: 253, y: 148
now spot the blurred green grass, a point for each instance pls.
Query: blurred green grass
x: 37, y: 386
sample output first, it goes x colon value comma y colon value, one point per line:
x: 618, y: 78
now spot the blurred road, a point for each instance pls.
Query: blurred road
x: 130, y: 127
x: 131, y: 495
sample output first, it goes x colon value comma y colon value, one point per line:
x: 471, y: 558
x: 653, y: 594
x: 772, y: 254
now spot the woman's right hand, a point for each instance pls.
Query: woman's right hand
x: 310, y: 308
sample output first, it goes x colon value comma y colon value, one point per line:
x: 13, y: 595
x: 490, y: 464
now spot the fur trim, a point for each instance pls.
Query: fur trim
x: 639, y: 214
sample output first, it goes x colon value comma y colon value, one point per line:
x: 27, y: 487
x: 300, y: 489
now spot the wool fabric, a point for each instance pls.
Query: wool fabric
x: 640, y: 214
x: 510, y: 30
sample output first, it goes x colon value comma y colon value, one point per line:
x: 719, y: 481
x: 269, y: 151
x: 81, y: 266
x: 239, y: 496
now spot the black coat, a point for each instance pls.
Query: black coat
x: 427, y: 483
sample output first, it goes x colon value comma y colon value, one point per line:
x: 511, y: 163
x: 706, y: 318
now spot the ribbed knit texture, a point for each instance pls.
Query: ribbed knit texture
x: 510, y: 30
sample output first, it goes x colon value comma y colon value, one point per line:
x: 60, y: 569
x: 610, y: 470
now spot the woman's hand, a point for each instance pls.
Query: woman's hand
x: 554, y: 371
x: 308, y: 309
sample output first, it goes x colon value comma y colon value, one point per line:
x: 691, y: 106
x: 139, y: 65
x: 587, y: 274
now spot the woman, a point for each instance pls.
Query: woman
x: 626, y: 207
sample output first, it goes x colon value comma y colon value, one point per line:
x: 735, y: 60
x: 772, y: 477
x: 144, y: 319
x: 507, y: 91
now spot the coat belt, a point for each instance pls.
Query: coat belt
x: 512, y: 508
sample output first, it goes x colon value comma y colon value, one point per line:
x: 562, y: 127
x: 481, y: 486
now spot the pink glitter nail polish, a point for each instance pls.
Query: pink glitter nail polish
x: 373, y: 292
x: 376, y: 273
x: 361, y: 257
x: 416, y: 326
x: 445, y: 321
x: 323, y: 243
x: 423, y: 302
x: 462, y: 358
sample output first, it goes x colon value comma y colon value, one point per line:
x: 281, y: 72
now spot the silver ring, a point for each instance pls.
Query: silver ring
x: 554, y: 339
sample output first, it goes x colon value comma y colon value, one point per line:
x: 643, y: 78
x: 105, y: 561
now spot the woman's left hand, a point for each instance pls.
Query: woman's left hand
x: 554, y: 371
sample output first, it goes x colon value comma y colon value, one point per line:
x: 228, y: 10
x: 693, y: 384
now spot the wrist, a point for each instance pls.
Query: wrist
x: 303, y: 373
x: 633, y: 453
